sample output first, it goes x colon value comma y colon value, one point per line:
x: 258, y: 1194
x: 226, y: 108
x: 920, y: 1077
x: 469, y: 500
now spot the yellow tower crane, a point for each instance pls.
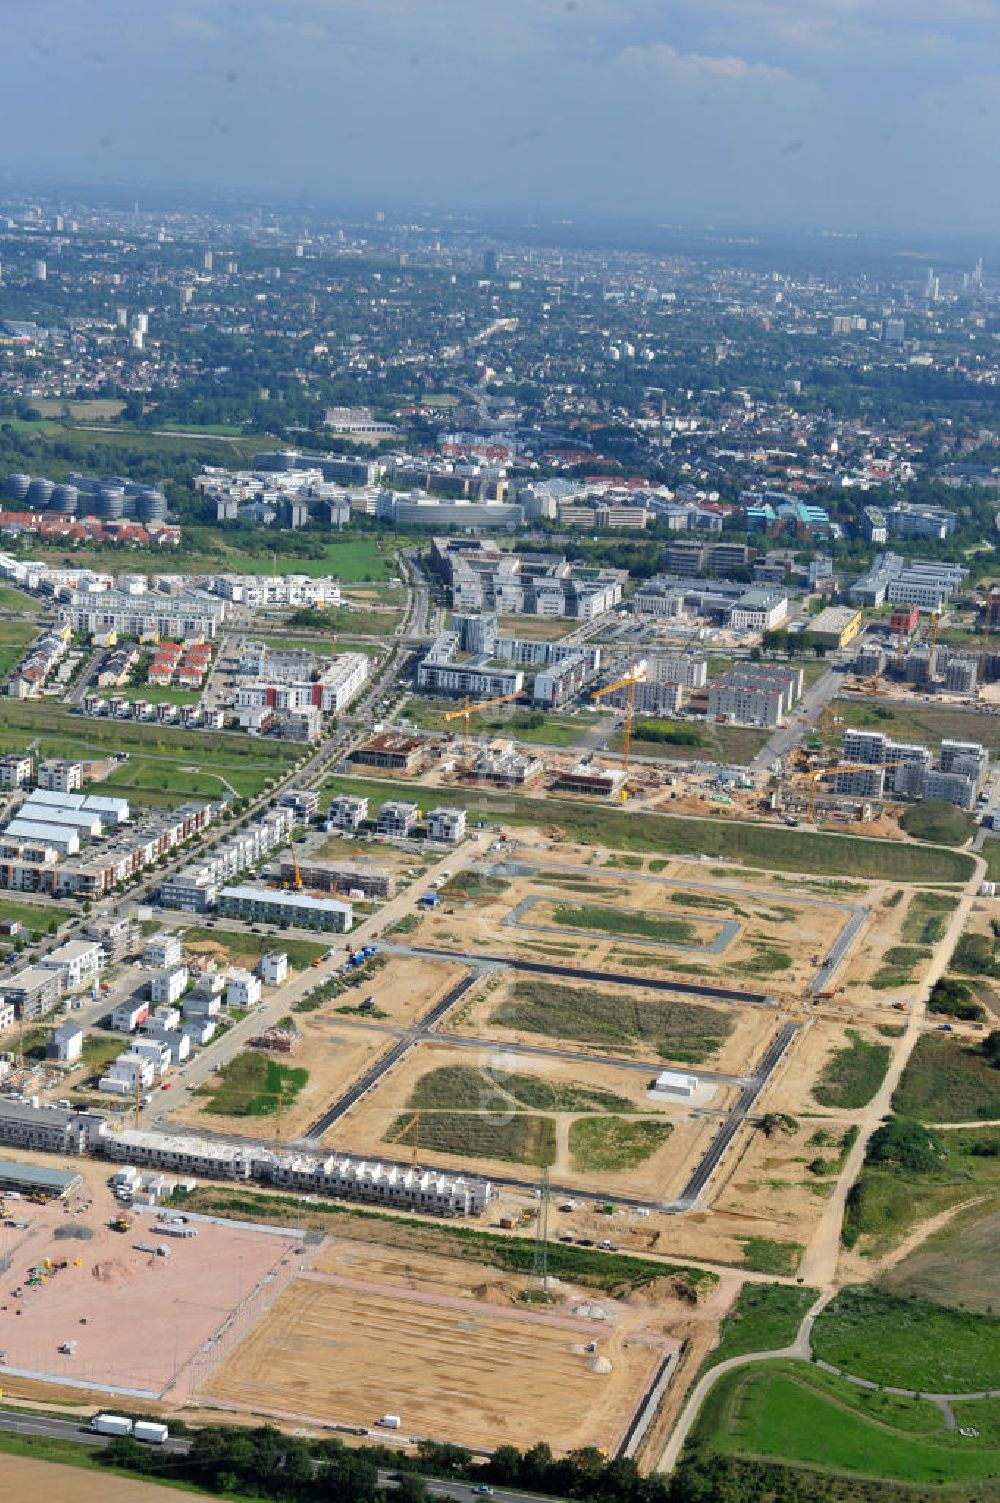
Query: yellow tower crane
x: 816, y: 775
x: 637, y: 676
x: 296, y: 880
x: 468, y: 709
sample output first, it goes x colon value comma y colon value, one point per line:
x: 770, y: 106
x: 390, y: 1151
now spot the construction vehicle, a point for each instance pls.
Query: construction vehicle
x: 468, y: 709
x: 121, y: 1223
x: 637, y: 676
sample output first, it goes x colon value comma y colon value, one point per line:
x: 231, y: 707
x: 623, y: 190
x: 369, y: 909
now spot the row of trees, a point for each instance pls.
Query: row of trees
x: 264, y: 1463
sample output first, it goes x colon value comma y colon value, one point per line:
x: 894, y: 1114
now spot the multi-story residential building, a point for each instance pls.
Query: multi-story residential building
x: 196, y: 887
x: 392, y: 751
x: 261, y: 904
x: 15, y: 770
x: 243, y: 989
x: 396, y: 818
x: 32, y: 992
x: 441, y: 671
x: 348, y: 812
x: 445, y: 824
x: 162, y: 951
x: 78, y: 963
x: 342, y: 876
x: 759, y: 610
x: 59, y: 776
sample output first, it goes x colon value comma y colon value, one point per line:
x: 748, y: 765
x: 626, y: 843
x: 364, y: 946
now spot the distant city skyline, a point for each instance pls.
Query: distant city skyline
x: 858, y: 114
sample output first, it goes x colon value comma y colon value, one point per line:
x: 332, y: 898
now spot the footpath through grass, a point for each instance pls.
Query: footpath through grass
x: 764, y: 1318
x: 790, y: 1412
x: 764, y: 846
x: 908, y: 1343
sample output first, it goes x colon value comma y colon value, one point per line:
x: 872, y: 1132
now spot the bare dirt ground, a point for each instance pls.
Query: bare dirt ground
x: 136, y: 1317
x: 33, y: 1481
x: 769, y: 922
x: 333, y: 1056
x: 405, y: 988
x: 373, y: 1337
x: 366, y: 1125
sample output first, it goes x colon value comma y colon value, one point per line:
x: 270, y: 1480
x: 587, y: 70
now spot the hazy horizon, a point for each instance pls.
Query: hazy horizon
x: 774, y: 113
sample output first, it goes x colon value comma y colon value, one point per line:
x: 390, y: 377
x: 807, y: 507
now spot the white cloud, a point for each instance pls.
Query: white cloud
x: 666, y: 59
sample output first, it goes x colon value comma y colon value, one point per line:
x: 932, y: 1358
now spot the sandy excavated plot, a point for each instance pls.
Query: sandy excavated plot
x: 334, y: 1057
x: 752, y: 1026
x: 145, y: 1316
x: 44, y: 1481
x: 352, y: 1349
x: 365, y: 1127
x: 405, y: 988
x: 769, y: 920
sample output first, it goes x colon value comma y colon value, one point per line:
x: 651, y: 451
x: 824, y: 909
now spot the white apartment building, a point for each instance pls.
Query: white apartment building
x: 243, y: 989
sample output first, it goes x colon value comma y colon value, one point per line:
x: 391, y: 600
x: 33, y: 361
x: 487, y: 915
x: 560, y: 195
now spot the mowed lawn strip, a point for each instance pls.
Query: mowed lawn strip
x: 790, y: 1412
x: 758, y: 845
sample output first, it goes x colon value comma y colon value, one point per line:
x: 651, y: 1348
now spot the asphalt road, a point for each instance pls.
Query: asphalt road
x: 546, y: 968
x: 19, y: 1423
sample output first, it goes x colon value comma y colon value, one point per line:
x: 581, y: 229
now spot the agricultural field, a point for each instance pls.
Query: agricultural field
x: 793, y: 1413
x: 448, y: 1346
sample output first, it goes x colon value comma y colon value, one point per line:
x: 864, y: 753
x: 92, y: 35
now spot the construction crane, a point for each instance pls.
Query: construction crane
x: 412, y: 1127
x: 296, y: 880
x: 932, y: 630
x: 637, y: 676
x: 816, y: 775
x: 468, y: 709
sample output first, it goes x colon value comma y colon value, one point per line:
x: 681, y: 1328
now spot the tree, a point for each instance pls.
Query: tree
x: 906, y: 1144
x: 991, y: 1048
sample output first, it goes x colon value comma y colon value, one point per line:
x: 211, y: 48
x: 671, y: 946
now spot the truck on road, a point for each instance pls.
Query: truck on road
x: 152, y: 1432
x: 111, y: 1424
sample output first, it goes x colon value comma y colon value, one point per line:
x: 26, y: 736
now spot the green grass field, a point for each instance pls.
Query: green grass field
x: 791, y: 1412
x: 15, y: 638
x: 511, y: 720
x: 165, y: 765
x: 686, y: 1032
x: 12, y: 599
x: 38, y: 918
x: 610, y: 1144
x: 462, y: 1088
x: 246, y: 949
x: 908, y: 1343
x: 669, y: 931
x: 927, y: 917
x: 957, y: 1266
x: 852, y: 1075
x: 251, y: 1085
x: 764, y: 1318
x: 930, y: 724
x: 769, y: 1255
x: 760, y: 846
x: 947, y: 1081
x: 887, y: 1202
x: 734, y: 744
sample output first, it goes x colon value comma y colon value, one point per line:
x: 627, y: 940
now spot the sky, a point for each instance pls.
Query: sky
x: 848, y: 114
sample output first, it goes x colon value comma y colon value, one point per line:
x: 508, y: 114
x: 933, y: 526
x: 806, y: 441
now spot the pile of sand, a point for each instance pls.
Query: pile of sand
x: 600, y: 1365
x: 499, y: 1293
x: 113, y: 1271
x: 73, y: 1229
